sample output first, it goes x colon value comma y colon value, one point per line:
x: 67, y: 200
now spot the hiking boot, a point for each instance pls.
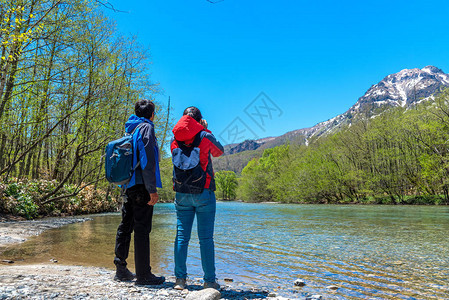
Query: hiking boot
x: 123, y: 274
x: 150, y: 280
x: 180, y: 284
x: 211, y: 285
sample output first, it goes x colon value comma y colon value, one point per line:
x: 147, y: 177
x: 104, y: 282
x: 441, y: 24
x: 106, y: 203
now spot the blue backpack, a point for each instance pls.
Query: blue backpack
x: 188, y: 176
x: 119, y: 159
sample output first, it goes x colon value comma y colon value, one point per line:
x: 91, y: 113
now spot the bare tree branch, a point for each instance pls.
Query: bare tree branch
x: 111, y: 6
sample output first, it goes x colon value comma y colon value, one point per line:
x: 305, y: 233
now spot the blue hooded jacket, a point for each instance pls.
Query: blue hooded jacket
x: 146, y: 150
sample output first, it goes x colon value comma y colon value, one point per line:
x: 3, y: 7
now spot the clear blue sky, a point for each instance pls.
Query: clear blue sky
x: 312, y: 58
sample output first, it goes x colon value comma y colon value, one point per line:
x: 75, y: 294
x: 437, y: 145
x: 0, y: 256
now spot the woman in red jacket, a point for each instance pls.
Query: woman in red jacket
x: 191, y: 131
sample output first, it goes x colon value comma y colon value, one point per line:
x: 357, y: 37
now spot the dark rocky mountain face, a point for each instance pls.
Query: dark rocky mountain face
x: 245, y: 146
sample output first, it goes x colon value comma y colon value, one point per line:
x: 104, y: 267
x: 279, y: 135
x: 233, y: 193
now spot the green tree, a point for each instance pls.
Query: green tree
x: 68, y: 82
x: 226, y: 184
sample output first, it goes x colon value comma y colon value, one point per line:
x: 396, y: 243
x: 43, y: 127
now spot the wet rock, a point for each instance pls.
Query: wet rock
x: 8, y: 261
x: 332, y: 287
x: 272, y: 295
x: 228, y: 279
x: 206, y: 294
x: 314, y: 297
x: 300, y: 282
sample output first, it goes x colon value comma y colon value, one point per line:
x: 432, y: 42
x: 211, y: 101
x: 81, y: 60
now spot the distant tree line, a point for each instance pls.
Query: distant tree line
x: 68, y: 82
x: 398, y: 157
x: 226, y: 182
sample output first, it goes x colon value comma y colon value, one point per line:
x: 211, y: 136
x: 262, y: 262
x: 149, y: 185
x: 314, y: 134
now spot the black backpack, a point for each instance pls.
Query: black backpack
x: 188, y: 176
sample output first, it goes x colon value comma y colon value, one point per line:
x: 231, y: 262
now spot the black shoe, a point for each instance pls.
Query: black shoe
x: 123, y: 274
x: 150, y: 280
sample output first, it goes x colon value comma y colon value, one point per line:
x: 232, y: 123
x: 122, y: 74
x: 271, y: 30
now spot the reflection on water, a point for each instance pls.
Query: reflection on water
x: 373, y: 252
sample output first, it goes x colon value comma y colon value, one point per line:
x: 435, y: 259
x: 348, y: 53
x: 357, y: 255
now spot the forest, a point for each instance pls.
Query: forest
x: 68, y: 83
x: 398, y: 157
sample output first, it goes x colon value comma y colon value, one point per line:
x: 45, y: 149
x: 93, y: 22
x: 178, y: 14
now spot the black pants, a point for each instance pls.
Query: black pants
x: 137, y: 215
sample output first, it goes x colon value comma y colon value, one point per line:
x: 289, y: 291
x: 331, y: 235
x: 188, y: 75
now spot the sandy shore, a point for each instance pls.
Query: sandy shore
x: 12, y: 232
x: 54, y: 281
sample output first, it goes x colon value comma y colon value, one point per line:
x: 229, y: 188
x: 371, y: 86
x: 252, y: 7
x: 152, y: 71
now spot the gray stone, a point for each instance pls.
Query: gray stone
x: 272, y: 294
x: 8, y: 261
x: 300, y: 282
x: 163, y: 293
x: 314, y: 297
x: 206, y: 294
x: 332, y: 287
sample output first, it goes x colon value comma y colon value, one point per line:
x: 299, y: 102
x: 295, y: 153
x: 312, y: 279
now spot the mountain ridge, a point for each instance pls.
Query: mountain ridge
x: 405, y: 88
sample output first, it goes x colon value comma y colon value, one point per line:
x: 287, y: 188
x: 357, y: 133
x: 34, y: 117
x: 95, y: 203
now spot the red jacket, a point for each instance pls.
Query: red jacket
x: 185, y: 131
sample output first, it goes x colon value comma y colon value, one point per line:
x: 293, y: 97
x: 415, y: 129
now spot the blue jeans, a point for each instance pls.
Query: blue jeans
x: 204, y: 207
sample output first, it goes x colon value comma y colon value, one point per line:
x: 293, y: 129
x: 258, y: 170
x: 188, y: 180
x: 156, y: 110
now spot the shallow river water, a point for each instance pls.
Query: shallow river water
x: 377, y: 252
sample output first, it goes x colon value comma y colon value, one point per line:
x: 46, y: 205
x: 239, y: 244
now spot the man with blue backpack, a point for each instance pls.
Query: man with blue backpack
x: 140, y: 193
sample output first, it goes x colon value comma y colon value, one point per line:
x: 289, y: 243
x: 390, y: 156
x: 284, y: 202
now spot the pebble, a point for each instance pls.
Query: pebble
x: 206, y: 294
x: 163, y: 293
x: 314, y: 297
x: 398, y: 263
x: 228, y: 279
x: 332, y: 287
x: 300, y: 282
x: 8, y: 261
x: 272, y: 295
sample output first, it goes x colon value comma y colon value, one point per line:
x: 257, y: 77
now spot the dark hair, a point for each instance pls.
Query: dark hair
x: 144, y: 108
x: 193, y: 112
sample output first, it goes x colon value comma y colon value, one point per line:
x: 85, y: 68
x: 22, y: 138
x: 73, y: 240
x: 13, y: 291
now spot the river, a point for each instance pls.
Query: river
x: 377, y: 252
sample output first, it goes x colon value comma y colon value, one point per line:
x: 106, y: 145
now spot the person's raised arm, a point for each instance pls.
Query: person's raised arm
x: 216, y: 149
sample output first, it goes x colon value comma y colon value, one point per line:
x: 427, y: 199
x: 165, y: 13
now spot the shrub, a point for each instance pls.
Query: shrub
x: 22, y: 198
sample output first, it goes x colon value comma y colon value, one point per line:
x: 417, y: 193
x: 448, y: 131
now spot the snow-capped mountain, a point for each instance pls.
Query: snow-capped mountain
x: 405, y: 88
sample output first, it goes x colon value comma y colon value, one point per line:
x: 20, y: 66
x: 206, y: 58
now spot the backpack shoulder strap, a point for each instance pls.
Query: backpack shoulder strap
x: 132, y: 133
x: 198, y: 138
x: 137, y: 127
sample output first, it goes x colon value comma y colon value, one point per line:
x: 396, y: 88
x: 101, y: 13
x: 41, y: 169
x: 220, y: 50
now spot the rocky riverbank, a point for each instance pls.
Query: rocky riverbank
x: 76, y: 282
x: 54, y: 281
